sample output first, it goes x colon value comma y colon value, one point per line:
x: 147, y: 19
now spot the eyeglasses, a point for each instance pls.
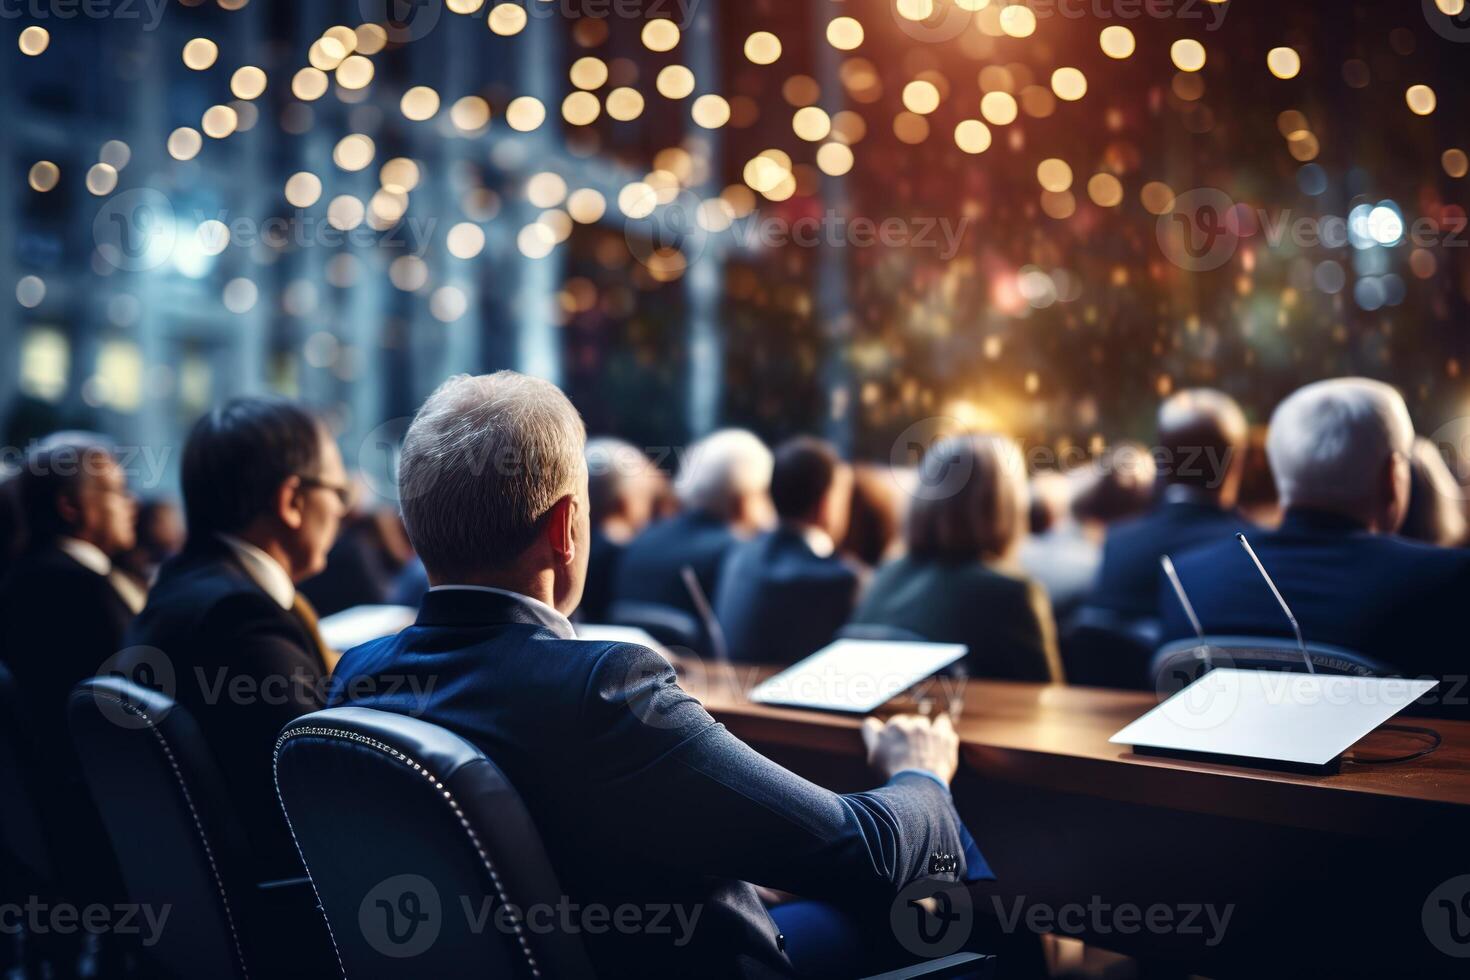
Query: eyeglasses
x: 345, y: 494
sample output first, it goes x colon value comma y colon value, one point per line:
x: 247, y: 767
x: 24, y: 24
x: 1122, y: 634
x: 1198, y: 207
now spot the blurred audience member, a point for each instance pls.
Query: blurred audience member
x: 1340, y: 452
x: 1116, y: 486
x: 1059, y: 553
x: 877, y: 515
x: 363, y: 566
x: 623, y: 487
x: 410, y: 584
x: 64, y: 604
x: 785, y: 593
x: 1436, y: 500
x: 264, y: 494
x: 724, y: 486
x: 1202, y: 438
x: 12, y: 525
x: 956, y: 584
x: 65, y: 608
x: 160, y: 536
x: 1259, y: 501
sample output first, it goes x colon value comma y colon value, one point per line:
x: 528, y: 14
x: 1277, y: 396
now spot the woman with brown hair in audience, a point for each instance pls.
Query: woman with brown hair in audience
x: 958, y: 582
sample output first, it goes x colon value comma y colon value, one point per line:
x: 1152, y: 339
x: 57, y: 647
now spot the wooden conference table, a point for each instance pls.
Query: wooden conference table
x: 1325, y: 875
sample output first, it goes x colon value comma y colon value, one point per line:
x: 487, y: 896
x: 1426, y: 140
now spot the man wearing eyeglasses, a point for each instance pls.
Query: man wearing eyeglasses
x: 264, y: 493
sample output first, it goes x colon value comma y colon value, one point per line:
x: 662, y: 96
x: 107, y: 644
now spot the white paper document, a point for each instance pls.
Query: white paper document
x: 856, y: 675
x: 1283, y: 716
x: 352, y: 627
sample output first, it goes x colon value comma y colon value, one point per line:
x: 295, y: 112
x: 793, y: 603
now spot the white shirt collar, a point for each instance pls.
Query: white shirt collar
x: 556, y: 617
x: 816, y: 539
x: 86, y: 554
x: 264, y: 570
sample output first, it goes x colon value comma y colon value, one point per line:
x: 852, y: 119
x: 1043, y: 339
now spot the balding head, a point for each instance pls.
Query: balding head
x: 1203, y: 434
x: 1343, y: 446
x: 484, y: 465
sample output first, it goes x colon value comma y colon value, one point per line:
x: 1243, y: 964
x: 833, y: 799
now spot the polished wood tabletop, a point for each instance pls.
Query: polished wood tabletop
x: 1056, y: 737
x: 1324, y: 873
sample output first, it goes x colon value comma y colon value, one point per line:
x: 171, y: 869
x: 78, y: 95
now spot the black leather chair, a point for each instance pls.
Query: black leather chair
x: 179, y: 843
x: 1103, y: 649
x: 396, y: 819
x: 878, y: 631
x: 1181, y: 662
x: 25, y: 858
x: 669, y: 625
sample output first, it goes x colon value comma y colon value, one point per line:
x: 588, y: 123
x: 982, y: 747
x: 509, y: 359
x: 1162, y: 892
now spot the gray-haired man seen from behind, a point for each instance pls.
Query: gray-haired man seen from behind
x: 1339, y: 451
x: 640, y: 796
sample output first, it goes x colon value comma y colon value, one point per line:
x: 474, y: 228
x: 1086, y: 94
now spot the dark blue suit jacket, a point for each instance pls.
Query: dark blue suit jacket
x: 1397, y: 601
x: 642, y: 797
x: 1128, y: 582
x: 650, y: 567
x: 779, y: 601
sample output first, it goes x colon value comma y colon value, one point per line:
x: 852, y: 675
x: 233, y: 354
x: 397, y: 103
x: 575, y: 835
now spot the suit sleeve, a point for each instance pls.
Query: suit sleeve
x: 683, y: 792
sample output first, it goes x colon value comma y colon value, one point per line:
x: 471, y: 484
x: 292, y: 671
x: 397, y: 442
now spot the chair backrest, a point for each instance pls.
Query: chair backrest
x: 879, y: 632
x: 1101, y: 648
x: 21, y: 837
x: 177, y: 842
x: 1180, y: 662
x: 669, y: 625
x: 424, y: 859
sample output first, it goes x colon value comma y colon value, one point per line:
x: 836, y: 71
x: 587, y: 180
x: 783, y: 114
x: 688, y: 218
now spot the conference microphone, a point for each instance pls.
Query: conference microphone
x: 1173, y: 574
x: 1301, y: 643
x: 712, y: 628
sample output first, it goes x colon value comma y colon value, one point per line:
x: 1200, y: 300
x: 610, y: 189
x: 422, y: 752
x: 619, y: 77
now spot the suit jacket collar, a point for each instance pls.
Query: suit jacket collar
x: 1304, y: 520
x: 477, y: 606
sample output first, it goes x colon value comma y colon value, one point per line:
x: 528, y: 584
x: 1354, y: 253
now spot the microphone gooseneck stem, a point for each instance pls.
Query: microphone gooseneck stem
x: 1300, y: 642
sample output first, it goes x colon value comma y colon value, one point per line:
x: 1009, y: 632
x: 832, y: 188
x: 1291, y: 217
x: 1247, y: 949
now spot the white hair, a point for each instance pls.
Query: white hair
x: 722, y: 468
x: 484, y: 460
x: 1328, y: 442
x: 613, y: 468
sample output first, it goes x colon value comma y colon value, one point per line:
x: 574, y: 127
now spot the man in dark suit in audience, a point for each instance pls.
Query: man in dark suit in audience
x: 784, y: 593
x: 724, y: 486
x: 622, y: 487
x: 64, y: 605
x: 1202, y: 445
x: 264, y: 492
x: 640, y: 796
x: 1339, y: 451
x: 65, y: 608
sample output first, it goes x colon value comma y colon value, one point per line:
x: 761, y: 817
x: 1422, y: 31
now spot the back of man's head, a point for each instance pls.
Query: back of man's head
x: 802, y: 474
x: 722, y: 470
x: 55, y: 468
x: 1204, y: 434
x: 1332, y: 446
x: 614, y: 471
x: 483, y: 462
x: 238, y: 455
